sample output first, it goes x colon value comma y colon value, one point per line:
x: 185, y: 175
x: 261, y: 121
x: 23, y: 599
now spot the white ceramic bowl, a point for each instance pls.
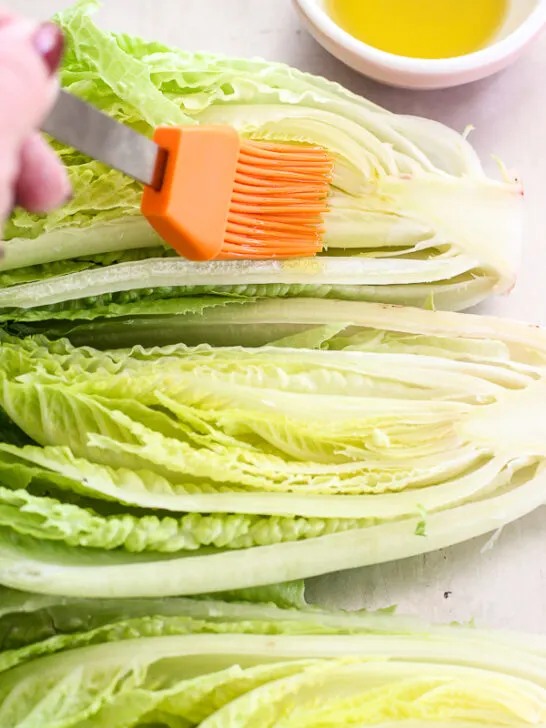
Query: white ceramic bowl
x: 524, y: 22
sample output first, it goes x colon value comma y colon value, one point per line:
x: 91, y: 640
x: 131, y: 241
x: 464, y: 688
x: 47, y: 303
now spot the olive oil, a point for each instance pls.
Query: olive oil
x: 421, y: 28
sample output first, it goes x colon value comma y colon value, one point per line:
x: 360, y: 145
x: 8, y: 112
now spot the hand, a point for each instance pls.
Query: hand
x: 31, y: 175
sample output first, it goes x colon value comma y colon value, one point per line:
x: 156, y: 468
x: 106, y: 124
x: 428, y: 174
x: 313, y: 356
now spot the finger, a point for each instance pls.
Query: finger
x: 28, y: 54
x: 43, y: 182
x: 12, y: 34
x: 27, y: 90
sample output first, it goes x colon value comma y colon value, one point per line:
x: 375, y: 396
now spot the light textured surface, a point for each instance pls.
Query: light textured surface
x: 504, y: 585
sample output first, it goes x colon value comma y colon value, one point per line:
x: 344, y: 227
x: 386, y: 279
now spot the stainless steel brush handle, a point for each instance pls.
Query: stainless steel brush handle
x: 81, y: 126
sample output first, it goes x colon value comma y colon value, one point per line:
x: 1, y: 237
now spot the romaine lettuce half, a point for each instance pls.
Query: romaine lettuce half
x: 173, y: 470
x: 178, y: 663
x: 413, y: 218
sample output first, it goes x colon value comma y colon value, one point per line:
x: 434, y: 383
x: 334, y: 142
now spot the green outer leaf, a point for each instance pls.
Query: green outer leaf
x: 26, y: 565
x: 264, y: 322
x: 102, y: 52
x: 70, y: 242
x: 277, y: 609
x: 50, y: 519
x: 150, y: 330
x: 163, y: 309
x: 269, y: 603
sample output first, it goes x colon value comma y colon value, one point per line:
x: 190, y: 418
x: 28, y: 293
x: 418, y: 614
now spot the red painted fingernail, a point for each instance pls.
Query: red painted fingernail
x: 48, y: 41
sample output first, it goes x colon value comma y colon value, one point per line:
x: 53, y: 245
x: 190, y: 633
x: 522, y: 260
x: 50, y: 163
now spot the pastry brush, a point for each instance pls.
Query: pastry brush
x: 208, y: 192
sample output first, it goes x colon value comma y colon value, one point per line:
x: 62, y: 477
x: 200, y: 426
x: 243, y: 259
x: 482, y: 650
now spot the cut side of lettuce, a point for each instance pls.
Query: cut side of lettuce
x: 412, y: 220
x: 363, y: 433
x: 237, y: 661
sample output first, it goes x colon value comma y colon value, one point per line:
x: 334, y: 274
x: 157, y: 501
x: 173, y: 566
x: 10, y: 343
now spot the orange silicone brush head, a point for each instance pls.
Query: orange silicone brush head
x: 227, y: 197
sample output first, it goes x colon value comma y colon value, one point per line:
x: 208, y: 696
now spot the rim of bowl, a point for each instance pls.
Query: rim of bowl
x: 514, y: 42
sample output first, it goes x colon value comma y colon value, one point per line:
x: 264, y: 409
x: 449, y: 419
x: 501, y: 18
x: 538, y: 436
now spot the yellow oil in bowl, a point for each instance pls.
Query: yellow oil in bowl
x: 421, y: 28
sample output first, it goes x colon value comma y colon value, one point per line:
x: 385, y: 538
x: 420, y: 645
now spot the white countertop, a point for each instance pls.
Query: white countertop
x: 504, y: 586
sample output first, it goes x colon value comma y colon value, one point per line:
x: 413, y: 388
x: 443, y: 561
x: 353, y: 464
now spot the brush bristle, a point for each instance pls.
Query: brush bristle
x: 278, y: 202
